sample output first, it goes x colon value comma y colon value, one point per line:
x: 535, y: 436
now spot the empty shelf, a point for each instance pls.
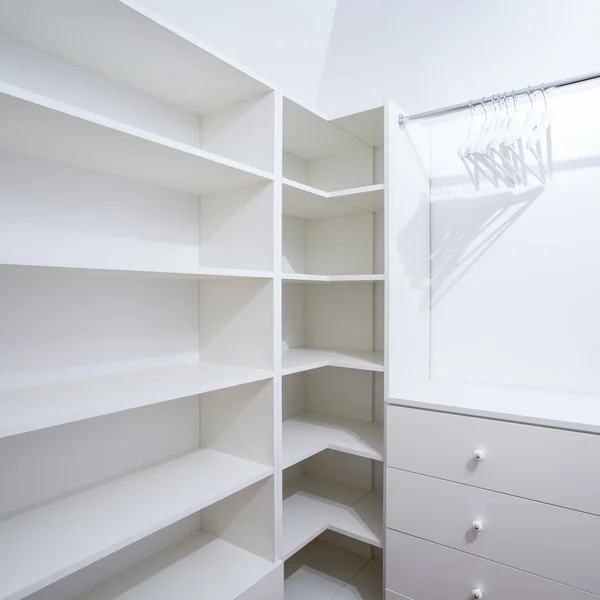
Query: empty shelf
x: 322, y: 571
x: 309, y: 278
x: 145, y: 52
x: 296, y: 360
x: 97, y: 522
x: 309, y: 135
x: 202, y: 562
x: 94, y: 142
x: 367, y: 125
x: 309, y: 433
x: 37, y: 407
x: 305, y: 202
x: 17, y: 256
x: 312, y: 504
x: 367, y: 584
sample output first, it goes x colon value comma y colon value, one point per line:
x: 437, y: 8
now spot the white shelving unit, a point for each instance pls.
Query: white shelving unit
x: 192, y: 317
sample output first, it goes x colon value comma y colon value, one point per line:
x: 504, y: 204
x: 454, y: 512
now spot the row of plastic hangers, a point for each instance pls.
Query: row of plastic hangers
x: 511, y: 146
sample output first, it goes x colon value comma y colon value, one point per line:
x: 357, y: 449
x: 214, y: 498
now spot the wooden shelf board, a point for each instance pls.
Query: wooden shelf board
x: 322, y: 571
x: 308, y: 135
x: 29, y: 259
x: 296, y: 360
x: 313, y: 504
x: 202, y: 562
x: 37, y: 407
x: 310, y: 278
x: 32, y: 124
x: 145, y: 52
x: 309, y: 433
x: 305, y: 202
x: 59, y: 538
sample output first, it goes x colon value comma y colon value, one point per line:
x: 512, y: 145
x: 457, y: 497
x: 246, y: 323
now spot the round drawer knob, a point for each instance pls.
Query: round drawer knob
x: 477, y: 594
x: 478, y: 455
x: 477, y: 526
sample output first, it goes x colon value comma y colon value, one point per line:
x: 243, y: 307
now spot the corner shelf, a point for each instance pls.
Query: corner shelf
x: 309, y: 135
x: 366, y: 125
x: 310, y: 278
x: 32, y: 408
x: 306, y: 202
x: 220, y: 569
x: 100, y: 521
x: 296, y: 360
x: 312, y: 505
x: 322, y: 570
x: 309, y: 433
x: 94, y: 142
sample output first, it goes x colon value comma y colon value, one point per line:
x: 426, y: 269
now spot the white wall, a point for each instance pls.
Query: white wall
x: 429, y: 53
x: 284, y: 41
x: 514, y: 272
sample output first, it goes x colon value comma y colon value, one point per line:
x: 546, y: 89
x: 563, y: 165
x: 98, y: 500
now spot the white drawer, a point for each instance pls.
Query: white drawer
x: 550, y: 465
x: 554, y: 542
x: 426, y: 571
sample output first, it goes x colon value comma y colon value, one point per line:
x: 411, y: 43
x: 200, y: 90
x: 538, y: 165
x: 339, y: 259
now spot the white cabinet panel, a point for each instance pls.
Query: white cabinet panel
x: 539, y: 463
x: 513, y: 531
x: 426, y: 571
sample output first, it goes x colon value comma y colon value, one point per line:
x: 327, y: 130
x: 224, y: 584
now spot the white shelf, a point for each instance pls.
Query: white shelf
x: 537, y: 407
x: 309, y: 278
x: 145, y: 52
x: 38, y: 407
x: 202, y: 562
x: 28, y: 258
x: 296, y: 360
x: 53, y: 541
x: 309, y: 433
x: 305, y: 202
x: 312, y: 505
x: 366, y: 125
x: 367, y: 584
x: 308, y: 135
x: 32, y: 124
x: 322, y: 571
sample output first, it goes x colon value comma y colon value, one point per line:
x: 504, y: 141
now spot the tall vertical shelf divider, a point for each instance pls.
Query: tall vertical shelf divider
x: 192, y: 320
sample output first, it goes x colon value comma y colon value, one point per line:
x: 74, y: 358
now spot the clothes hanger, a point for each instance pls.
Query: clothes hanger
x: 489, y: 155
x: 523, y: 133
x: 480, y: 160
x: 534, y: 143
x: 462, y: 151
x: 499, y: 152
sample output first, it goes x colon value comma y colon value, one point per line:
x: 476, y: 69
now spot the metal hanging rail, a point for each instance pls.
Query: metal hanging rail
x: 543, y: 87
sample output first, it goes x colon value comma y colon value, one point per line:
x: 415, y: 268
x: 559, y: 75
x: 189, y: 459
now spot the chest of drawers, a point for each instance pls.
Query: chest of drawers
x: 482, y: 506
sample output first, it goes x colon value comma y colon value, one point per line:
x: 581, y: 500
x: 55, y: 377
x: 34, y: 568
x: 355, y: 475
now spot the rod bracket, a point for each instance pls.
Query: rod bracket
x: 401, y: 121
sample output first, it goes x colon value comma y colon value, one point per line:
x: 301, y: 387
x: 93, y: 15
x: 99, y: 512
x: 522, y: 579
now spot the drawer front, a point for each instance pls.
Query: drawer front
x: 539, y: 463
x: 423, y: 570
x: 554, y: 542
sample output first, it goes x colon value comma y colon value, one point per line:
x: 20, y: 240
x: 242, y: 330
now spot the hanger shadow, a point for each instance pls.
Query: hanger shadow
x: 462, y: 231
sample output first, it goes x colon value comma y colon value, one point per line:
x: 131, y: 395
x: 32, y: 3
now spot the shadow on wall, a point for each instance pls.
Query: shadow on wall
x: 468, y: 227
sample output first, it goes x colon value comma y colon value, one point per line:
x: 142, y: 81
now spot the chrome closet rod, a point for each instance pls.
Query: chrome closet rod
x: 448, y: 110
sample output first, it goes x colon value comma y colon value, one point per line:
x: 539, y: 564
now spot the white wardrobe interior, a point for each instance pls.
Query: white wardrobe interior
x: 192, y: 321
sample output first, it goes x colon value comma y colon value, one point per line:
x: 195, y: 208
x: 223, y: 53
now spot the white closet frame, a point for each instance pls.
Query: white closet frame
x: 408, y: 305
x: 242, y: 145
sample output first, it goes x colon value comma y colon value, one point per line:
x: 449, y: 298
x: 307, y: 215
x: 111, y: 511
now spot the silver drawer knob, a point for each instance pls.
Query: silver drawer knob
x: 477, y: 594
x: 477, y: 526
x: 478, y: 455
